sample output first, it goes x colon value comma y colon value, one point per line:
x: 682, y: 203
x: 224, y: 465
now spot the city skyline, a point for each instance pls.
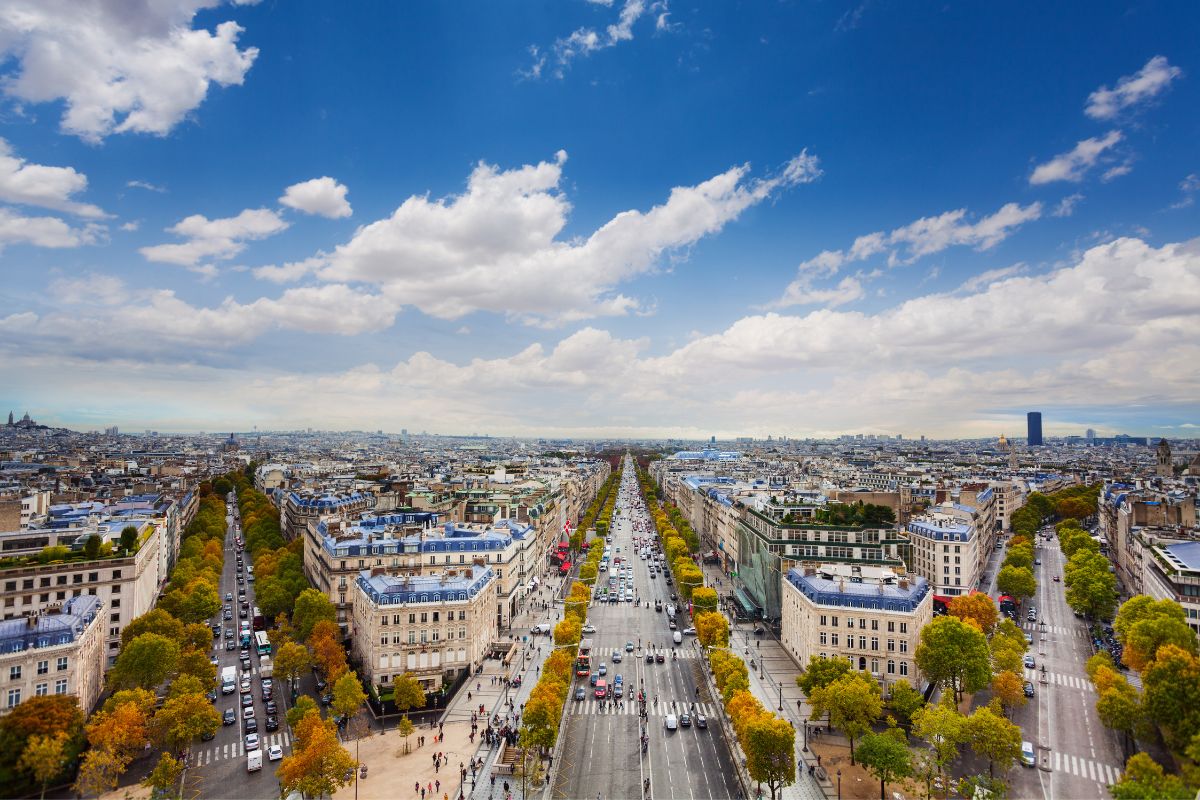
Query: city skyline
x: 601, y: 219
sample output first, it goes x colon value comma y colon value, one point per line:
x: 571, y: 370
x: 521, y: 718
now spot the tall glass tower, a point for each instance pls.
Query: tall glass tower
x: 1034, y: 421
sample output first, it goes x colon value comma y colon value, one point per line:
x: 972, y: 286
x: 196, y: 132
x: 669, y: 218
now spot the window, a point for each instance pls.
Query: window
x: 383, y: 620
x: 60, y: 686
x: 116, y: 575
x: 412, y: 637
x: 904, y: 645
x: 424, y: 617
x: 44, y: 582
x: 823, y: 621
x: 874, y: 624
x: 10, y: 586
x: 62, y: 663
x: 891, y: 645
x: 874, y: 642
x: 823, y: 639
x: 891, y: 667
x: 904, y: 627
x: 14, y: 697
x: 435, y: 616
x: 874, y: 666
x: 862, y: 643
x: 61, y: 580
x: 891, y: 626
x: 462, y: 615
x: 412, y: 619
x: 41, y: 690
x: 43, y: 667
x: 115, y: 602
x: 835, y: 622
x: 383, y: 639
x: 903, y: 667
x: 93, y: 577
x: 14, y: 673
x: 834, y: 640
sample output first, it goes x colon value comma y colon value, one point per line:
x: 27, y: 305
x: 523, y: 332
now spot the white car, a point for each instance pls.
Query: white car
x: 248, y: 712
x: 671, y: 721
x: 274, y: 752
x: 589, y: 628
x: 689, y: 631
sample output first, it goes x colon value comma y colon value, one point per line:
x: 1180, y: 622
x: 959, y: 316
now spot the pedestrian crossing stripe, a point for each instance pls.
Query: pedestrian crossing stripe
x: 632, y: 709
x: 238, y: 748
x: 1085, y: 768
x: 1071, y: 681
x: 1058, y: 630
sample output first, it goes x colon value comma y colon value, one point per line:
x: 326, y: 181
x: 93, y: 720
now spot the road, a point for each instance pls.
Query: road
x: 601, y: 753
x: 219, y: 767
x: 1078, y: 757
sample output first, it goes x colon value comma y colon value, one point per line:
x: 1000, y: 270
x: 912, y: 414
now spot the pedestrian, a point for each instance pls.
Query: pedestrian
x: 417, y: 786
x: 493, y: 781
x: 438, y: 785
x: 422, y: 793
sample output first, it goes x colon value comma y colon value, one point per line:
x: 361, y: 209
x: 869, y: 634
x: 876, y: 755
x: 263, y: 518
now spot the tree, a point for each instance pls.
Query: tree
x: 1172, y: 694
x: 853, y: 704
x: 154, y: 621
x: 100, y: 771
x: 1120, y: 708
x: 704, y: 599
x: 146, y: 661
x: 1144, y: 779
x: 318, y: 764
x: 330, y: 656
x: 290, y: 660
x: 129, y: 539
x: 405, y: 729
x: 955, y: 655
x: 770, y: 745
x: 348, y: 695
x: 184, y: 719
x: 712, y: 629
x: 166, y: 774
x: 44, y: 758
x: 304, y: 703
x: 1073, y: 541
x: 1020, y: 556
x: 91, y: 547
x: 943, y: 728
x: 311, y: 607
x: 1007, y: 656
x: 1016, y: 581
x: 1091, y: 587
x: 978, y: 608
x: 886, y: 757
x: 821, y: 672
x: 123, y: 731
x: 904, y: 702
x: 568, y: 631
x: 187, y: 684
x: 1009, y: 689
x: 196, y: 663
x: 408, y: 694
x: 993, y: 737
x: 1144, y: 625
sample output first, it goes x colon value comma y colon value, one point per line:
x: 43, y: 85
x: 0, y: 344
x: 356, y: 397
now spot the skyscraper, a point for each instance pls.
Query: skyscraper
x: 1034, y: 436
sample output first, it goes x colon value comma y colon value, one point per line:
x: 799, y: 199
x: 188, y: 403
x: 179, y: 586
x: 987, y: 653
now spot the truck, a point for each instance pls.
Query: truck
x: 254, y: 761
x: 265, y: 668
x: 228, y: 680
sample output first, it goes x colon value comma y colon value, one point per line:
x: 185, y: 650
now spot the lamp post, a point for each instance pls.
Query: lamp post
x: 805, y: 723
x: 839, y: 777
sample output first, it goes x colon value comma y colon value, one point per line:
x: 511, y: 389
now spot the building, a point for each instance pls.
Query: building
x: 1163, y: 467
x: 1172, y: 572
x: 432, y: 626
x: 1033, y: 422
x: 59, y: 650
x: 869, y: 615
x: 299, y: 508
x: 946, y: 550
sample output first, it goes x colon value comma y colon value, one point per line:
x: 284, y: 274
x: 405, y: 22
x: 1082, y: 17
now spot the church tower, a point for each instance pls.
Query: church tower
x: 10, y: 419
x: 1164, y: 468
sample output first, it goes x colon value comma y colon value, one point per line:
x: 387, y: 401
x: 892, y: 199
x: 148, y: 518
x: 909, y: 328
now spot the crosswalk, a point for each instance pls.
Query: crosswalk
x: 1071, y: 681
x: 629, y: 659
x: 237, y: 749
x: 591, y: 707
x: 1057, y: 630
x: 1085, y: 768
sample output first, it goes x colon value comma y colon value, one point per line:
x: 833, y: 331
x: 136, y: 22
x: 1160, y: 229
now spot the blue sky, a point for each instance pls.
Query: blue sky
x: 622, y: 218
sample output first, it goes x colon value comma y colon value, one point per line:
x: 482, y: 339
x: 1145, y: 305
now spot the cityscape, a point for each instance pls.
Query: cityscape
x: 613, y: 399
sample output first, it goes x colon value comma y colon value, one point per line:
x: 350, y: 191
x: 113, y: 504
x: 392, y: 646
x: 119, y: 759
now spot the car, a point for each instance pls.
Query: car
x: 649, y: 657
x: 252, y: 725
x: 228, y: 614
x: 1056, y: 579
x: 247, y: 712
x: 229, y: 717
x: 272, y: 723
x: 272, y: 708
x: 252, y: 741
x: 580, y: 694
x: 212, y: 695
x: 616, y: 656
x: 671, y: 624
x: 651, y: 574
x: 689, y: 631
x: 670, y: 722
x: 246, y: 663
x: 629, y: 647
x: 228, y: 597
x: 326, y: 699
x: 589, y: 628
x: 602, y: 670
x: 685, y: 720
x: 659, y: 657
x: 216, y: 629
x: 758, y: 630
x: 245, y: 684
x: 321, y: 684
x: 594, y: 677
x: 247, y: 700
x: 208, y: 736
x: 250, y: 578
x: 701, y: 721
x: 1037, y: 562
x: 274, y: 752
x: 658, y: 605
x: 1028, y: 687
x: 268, y: 695
x: 1027, y: 758
x: 1029, y: 662
x: 1029, y: 638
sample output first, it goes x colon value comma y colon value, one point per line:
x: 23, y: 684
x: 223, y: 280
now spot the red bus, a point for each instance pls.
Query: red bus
x: 1008, y: 606
x: 583, y: 661
x: 564, y: 568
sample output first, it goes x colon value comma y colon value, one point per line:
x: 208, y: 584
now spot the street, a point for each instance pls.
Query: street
x: 601, y: 754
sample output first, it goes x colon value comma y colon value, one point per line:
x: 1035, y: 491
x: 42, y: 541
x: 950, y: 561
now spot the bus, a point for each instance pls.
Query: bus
x: 260, y: 622
x: 1008, y: 606
x: 262, y: 643
x: 583, y: 661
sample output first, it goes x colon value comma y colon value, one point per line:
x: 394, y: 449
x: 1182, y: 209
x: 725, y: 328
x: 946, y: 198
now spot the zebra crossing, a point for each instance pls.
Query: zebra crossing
x: 630, y: 709
x: 1085, y: 768
x: 1058, y: 630
x: 1071, y: 681
x: 237, y: 749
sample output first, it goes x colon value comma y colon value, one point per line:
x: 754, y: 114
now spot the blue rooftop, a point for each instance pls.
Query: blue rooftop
x: 846, y: 594
x: 49, y: 630
x: 1185, y: 555
x: 328, y: 502
x: 396, y: 589
x: 371, y: 536
x: 707, y: 454
x: 945, y: 532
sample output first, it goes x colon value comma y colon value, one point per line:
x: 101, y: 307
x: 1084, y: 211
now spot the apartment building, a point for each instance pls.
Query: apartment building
x: 870, y: 615
x: 1171, y: 571
x: 433, y: 626
x: 946, y: 549
x: 298, y: 508
x: 59, y: 650
x: 1124, y: 510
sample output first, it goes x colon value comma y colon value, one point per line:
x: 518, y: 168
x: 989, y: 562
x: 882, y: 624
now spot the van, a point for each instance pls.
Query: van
x: 541, y: 627
x: 677, y: 637
x: 254, y: 761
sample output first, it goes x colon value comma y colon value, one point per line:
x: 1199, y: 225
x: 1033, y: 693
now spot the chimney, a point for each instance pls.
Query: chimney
x: 904, y: 583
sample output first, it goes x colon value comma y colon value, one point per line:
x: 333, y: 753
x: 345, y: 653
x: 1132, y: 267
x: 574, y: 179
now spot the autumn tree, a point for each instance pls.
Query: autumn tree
x: 943, y: 729
x: 955, y: 655
x: 568, y: 631
x: 1145, y: 779
x: 318, y: 764
x: 770, y: 746
x: 147, y: 661
x: 978, y: 608
x: 348, y: 695
x: 821, y: 672
x: 46, y: 716
x: 994, y: 738
x: 885, y: 756
x: 183, y: 719
x: 407, y: 693
x: 44, y: 758
x: 1172, y: 694
x: 1143, y: 625
x: 1009, y: 689
x: 304, y: 703
x: 330, y: 656
x: 124, y: 731
x: 311, y: 607
x: 166, y: 775
x: 712, y: 629
x: 1091, y: 585
x: 290, y: 660
x: 99, y: 772
x: 853, y: 704
x: 405, y: 729
x: 153, y: 621
x: 704, y: 600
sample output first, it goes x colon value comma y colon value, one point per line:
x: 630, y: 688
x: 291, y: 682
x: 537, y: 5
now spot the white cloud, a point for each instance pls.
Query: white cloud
x: 219, y: 239
x: 149, y: 187
x: 118, y: 67
x: 45, y: 231
x: 585, y: 41
x: 987, y: 278
x: 1147, y: 83
x: 323, y: 196
x: 291, y: 271
x: 131, y: 226
x: 801, y: 293
x: 496, y: 247
x: 1072, y: 165
x: 1066, y: 206
x: 46, y: 187
x: 1189, y: 186
x: 905, y: 245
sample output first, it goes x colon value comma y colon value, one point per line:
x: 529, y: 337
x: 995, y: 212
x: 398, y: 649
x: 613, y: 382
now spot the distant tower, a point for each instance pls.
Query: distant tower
x: 1034, y: 423
x: 10, y: 419
x: 1164, y: 468
x: 1005, y: 445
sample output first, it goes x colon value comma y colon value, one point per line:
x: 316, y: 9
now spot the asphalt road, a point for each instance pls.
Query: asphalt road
x: 219, y: 767
x: 601, y: 755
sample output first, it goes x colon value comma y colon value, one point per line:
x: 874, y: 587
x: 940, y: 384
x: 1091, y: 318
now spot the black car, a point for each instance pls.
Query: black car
x: 267, y: 694
x: 326, y: 699
x: 208, y: 736
x: 321, y: 684
x: 272, y: 723
x: 1028, y: 689
x: 247, y: 700
x: 212, y: 695
x: 649, y: 658
x: 230, y: 717
x: 252, y: 725
x: 231, y: 645
x: 271, y: 707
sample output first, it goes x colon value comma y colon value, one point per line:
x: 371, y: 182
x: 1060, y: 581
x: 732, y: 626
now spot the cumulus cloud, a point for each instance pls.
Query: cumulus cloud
x: 1066, y: 206
x: 214, y: 239
x: 585, y: 41
x: 904, y: 245
x: 497, y: 246
x: 290, y: 271
x: 322, y: 196
x: 38, y: 185
x: 1132, y: 90
x: 801, y: 292
x: 1074, y: 164
x: 50, y: 232
x: 117, y: 67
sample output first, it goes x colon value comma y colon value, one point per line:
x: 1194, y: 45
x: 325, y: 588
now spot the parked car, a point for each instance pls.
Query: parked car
x: 1029, y: 662
x: 272, y: 723
x: 229, y: 717
x: 1028, y: 689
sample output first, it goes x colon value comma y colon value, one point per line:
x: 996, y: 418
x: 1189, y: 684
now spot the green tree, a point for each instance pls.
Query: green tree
x: 91, y: 546
x: 1144, y: 625
x: 886, y: 757
x: 146, y: 662
x: 1144, y: 779
x: 183, y: 719
x: 1019, y: 556
x: 1091, y: 586
x: 1016, y: 581
x: 405, y: 729
x: 944, y: 729
x: 44, y: 758
x: 166, y: 775
x: 407, y: 693
x: 129, y: 539
x: 821, y: 672
x: 1172, y: 694
x: 704, y: 599
x: 1120, y: 708
x: 197, y: 664
x: 303, y: 705
x: 290, y: 660
x: 853, y: 704
x: 348, y: 695
x: 994, y: 738
x: 770, y: 745
x: 954, y: 654
x: 311, y: 607
x: 52, y: 554
x: 905, y: 701
x: 200, y: 601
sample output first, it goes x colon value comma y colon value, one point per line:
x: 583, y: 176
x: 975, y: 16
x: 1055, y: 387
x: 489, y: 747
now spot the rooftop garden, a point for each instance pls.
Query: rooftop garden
x: 845, y: 515
x: 94, y: 549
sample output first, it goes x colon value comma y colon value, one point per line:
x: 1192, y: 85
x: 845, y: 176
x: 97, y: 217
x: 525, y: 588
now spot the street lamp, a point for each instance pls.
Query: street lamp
x: 839, y: 777
x: 804, y: 721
